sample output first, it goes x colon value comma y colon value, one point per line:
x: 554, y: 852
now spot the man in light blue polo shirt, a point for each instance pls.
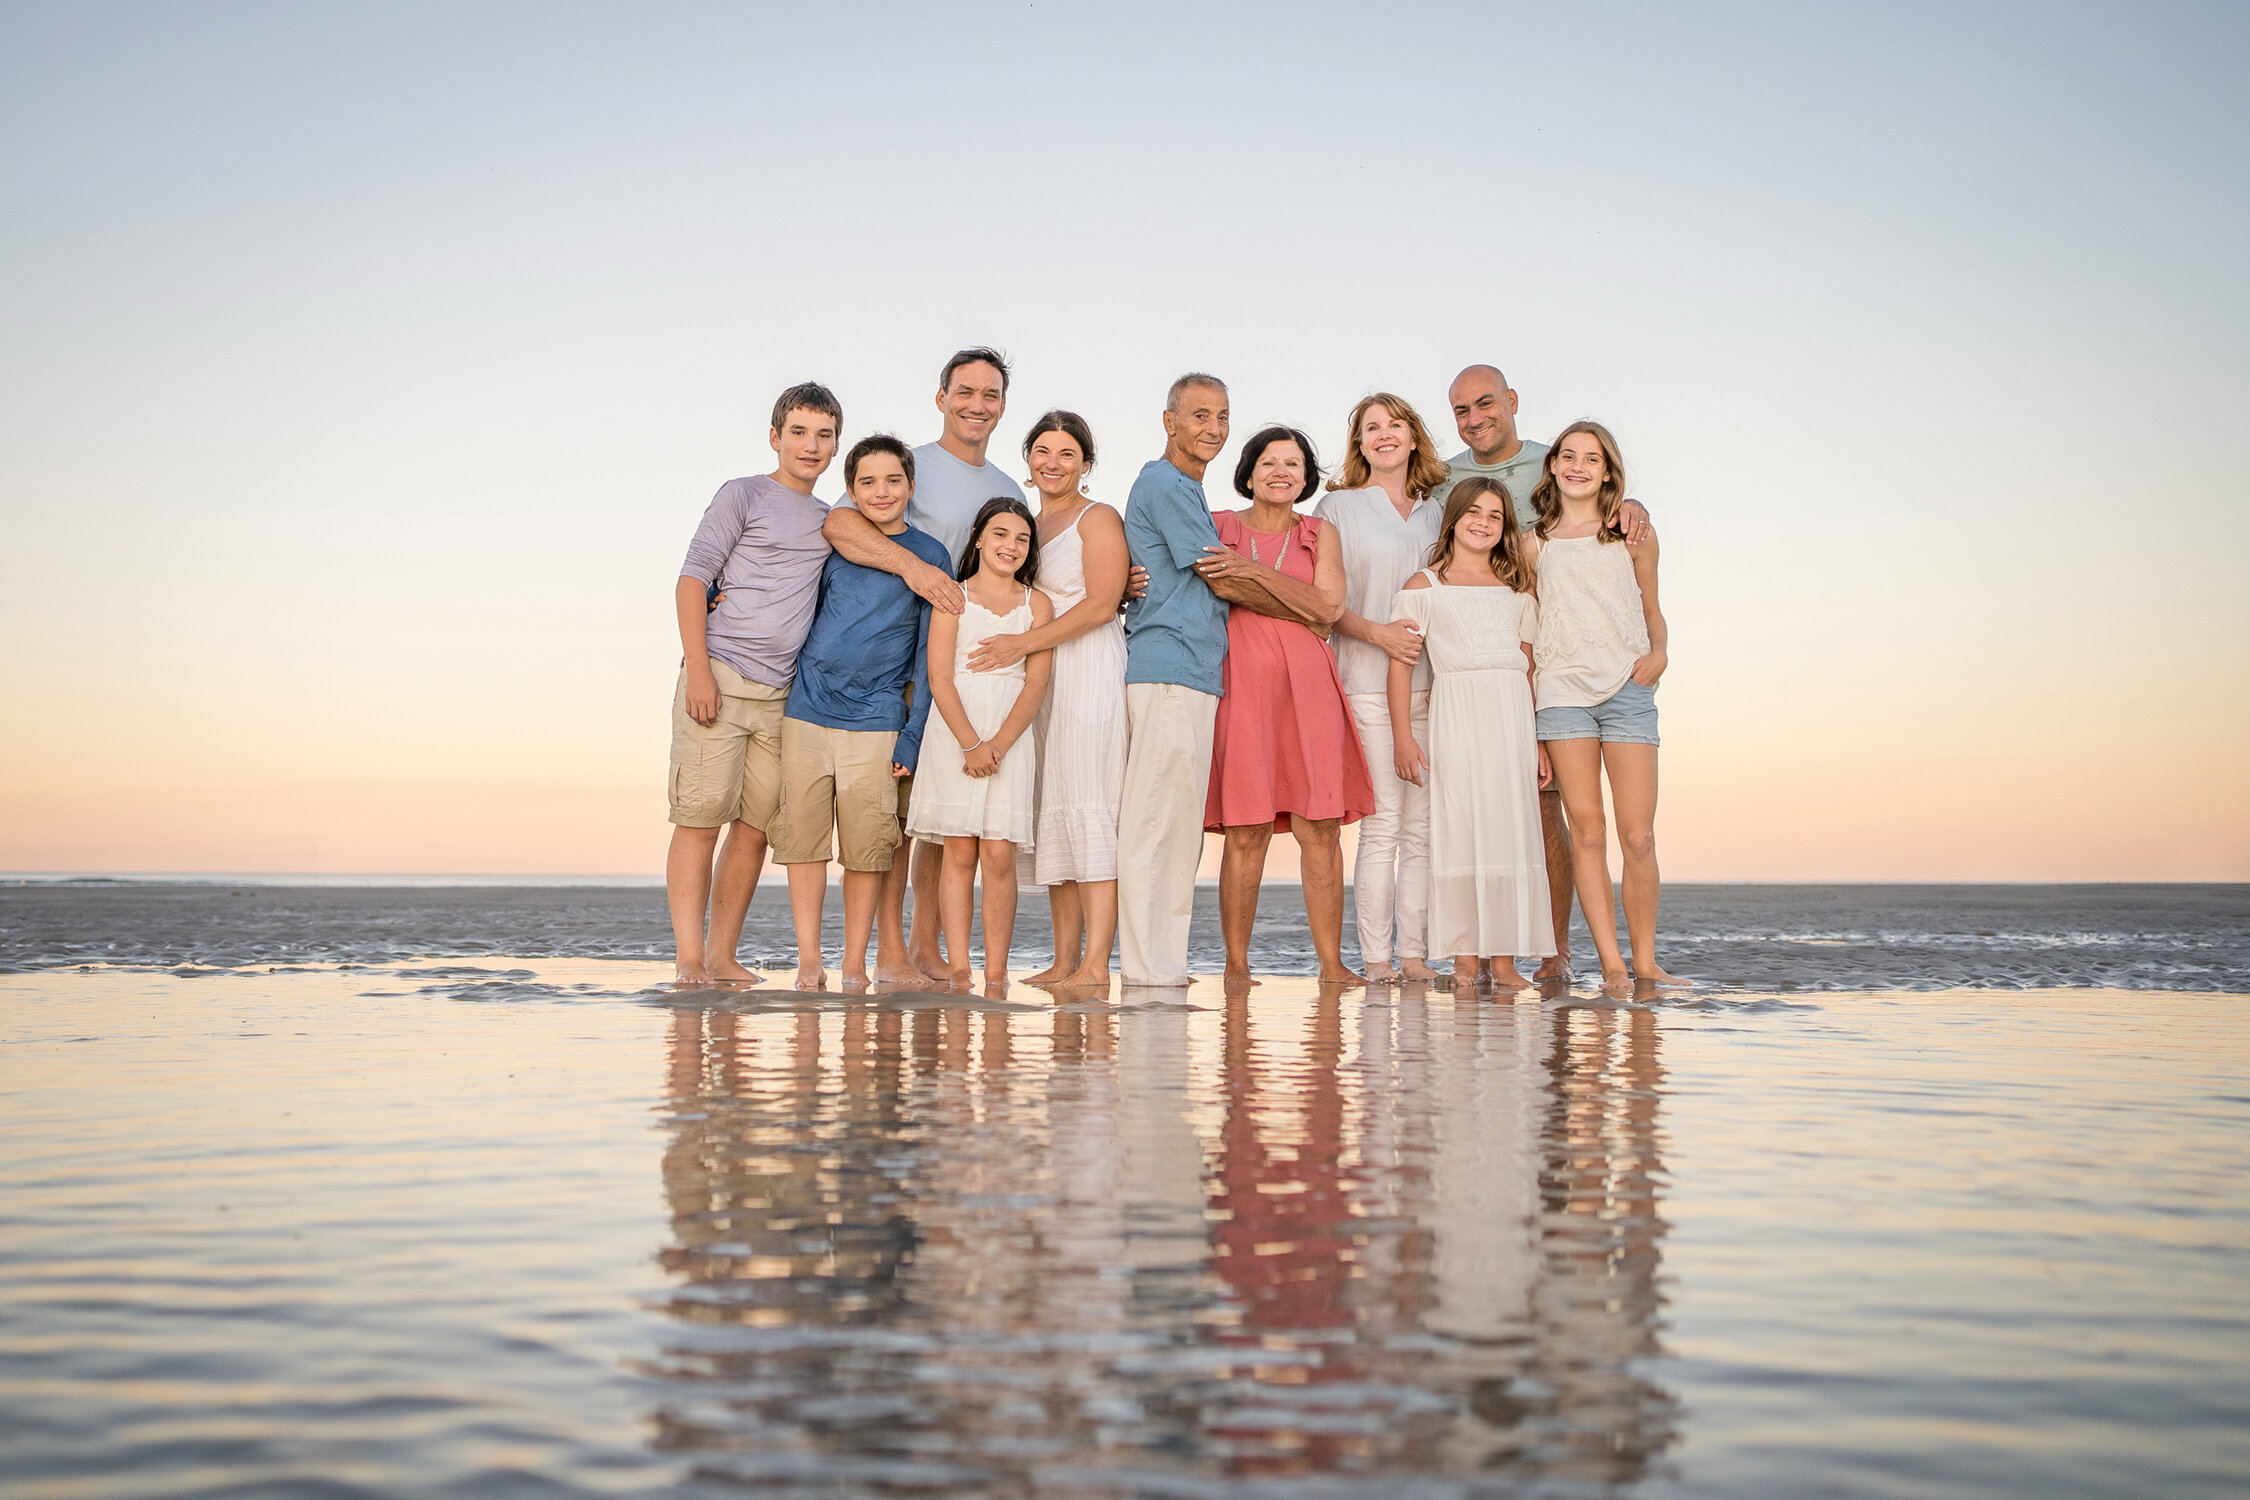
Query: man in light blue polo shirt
x: 1175, y: 658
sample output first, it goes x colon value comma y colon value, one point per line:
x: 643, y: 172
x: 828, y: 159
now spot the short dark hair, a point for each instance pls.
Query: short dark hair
x: 1070, y: 425
x: 1192, y: 377
x: 878, y: 442
x: 980, y: 355
x: 1002, y: 505
x: 1260, y: 441
x: 808, y: 395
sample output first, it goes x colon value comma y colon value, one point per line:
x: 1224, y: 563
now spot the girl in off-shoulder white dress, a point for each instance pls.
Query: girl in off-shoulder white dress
x: 1483, y: 765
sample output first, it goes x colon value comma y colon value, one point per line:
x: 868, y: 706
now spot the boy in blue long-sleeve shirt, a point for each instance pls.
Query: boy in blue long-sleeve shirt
x: 849, y: 738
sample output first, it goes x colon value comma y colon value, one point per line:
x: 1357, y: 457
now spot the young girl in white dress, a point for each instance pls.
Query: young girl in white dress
x: 1601, y: 652
x: 975, y: 786
x: 1484, y: 767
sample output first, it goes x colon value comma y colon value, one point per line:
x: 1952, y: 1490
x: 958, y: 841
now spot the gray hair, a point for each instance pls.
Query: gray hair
x: 1191, y: 378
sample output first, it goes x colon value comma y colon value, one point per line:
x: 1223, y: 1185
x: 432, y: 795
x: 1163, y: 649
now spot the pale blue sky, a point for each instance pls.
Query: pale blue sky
x: 366, y: 368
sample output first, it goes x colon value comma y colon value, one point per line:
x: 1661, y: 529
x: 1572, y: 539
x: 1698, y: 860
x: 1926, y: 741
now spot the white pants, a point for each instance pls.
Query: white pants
x: 1391, y: 878
x: 1160, y: 827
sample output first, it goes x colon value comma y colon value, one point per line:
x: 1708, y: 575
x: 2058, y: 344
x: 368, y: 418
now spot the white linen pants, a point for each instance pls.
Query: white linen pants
x: 1160, y: 827
x: 1391, y: 876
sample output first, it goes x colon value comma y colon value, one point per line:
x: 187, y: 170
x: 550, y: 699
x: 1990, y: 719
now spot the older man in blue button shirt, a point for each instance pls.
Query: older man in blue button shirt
x: 1175, y: 659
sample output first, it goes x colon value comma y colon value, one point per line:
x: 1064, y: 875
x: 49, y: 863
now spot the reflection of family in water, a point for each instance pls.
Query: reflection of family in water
x: 1271, y: 1240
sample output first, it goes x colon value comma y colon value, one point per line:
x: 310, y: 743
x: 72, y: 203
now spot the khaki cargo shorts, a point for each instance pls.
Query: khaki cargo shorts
x: 836, y: 779
x: 730, y: 769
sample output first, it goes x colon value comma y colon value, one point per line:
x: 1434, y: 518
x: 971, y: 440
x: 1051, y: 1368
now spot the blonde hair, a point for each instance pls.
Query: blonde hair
x: 1509, y: 565
x: 1546, y: 498
x: 1425, y: 471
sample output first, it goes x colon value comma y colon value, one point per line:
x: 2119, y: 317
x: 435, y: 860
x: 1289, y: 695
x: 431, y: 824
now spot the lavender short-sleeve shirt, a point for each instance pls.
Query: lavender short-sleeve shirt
x: 760, y: 542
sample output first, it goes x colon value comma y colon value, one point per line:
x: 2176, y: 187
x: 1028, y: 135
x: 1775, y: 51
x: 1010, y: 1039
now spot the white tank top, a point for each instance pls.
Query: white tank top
x: 1591, y: 629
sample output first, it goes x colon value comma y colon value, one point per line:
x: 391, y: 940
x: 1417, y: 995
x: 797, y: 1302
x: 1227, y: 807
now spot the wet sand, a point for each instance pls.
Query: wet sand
x: 528, y: 1227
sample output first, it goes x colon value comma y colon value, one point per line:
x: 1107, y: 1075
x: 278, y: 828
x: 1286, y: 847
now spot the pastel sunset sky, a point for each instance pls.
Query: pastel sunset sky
x: 365, y: 370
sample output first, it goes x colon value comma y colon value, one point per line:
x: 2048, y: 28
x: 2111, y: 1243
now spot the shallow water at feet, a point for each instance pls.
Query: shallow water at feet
x: 523, y: 1227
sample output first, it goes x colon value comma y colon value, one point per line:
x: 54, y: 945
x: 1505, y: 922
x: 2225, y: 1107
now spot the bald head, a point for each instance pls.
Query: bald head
x: 1484, y: 413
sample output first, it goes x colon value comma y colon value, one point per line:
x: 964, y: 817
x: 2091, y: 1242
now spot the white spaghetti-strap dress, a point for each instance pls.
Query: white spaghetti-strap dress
x: 950, y: 803
x: 1081, y: 734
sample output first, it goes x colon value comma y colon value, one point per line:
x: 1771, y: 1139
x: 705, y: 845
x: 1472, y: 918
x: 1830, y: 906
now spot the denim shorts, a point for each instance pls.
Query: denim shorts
x: 1625, y: 717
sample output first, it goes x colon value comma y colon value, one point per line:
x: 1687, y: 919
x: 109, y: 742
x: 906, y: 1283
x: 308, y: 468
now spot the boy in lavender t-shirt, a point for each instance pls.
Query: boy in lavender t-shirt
x: 760, y: 544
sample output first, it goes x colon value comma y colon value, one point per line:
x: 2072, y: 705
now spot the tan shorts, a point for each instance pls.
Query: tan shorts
x: 730, y: 769
x: 840, y: 779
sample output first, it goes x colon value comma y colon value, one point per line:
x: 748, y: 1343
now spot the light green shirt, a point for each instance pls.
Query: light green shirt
x: 1520, y: 474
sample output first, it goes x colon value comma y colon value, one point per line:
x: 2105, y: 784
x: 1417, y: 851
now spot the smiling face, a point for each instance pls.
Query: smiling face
x: 1278, y: 477
x: 1578, y: 466
x: 1195, y: 428
x: 1385, y: 440
x: 1003, y: 544
x: 880, y: 490
x: 1481, y: 526
x: 1057, y: 465
x: 805, y: 442
x: 1484, y: 412
x: 972, y: 403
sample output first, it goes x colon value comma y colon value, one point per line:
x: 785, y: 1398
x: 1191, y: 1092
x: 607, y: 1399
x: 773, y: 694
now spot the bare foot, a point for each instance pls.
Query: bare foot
x: 853, y: 982
x: 1654, y: 974
x: 1557, y: 967
x: 960, y: 978
x: 996, y: 984
x: 691, y: 974
x: 1619, y: 978
x: 902, y: 973
x: 932, y: 964
x: 1381, y: 973
x: 1341, y: 975
x: 1467, y: 976
x: 727, y: 971
x: 1418, y: 972
x: 1086, y: 975
x: 811, y: 977
x: 1054, y: 973
x: 1506, y: 979
x: 1236, y: 978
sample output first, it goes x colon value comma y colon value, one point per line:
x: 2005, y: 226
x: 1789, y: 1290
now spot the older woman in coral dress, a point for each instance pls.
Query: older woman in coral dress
x: 1284, y: 753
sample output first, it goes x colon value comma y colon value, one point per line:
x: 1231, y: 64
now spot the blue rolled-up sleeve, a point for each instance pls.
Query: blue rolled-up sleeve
x: 908, y: 750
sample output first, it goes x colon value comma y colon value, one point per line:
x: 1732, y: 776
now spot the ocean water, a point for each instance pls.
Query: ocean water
x: 1739, y: 937
x: 307, y: 1194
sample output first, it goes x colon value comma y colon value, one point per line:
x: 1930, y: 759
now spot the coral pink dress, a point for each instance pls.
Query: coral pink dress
x: 1284, y: 741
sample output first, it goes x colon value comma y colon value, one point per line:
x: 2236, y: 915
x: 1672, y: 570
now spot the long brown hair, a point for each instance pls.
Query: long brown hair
x: 1509, y: 565
x: 1546, y: 497
x: 1425, y: 471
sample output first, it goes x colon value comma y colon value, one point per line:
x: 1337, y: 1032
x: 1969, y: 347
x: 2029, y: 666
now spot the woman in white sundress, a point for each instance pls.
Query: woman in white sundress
x: 1484, y: 764
x: 1081, y: 728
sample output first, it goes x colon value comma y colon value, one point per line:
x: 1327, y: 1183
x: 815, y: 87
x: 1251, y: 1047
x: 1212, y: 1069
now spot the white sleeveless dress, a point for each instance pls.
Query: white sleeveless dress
x: 1488, y: 862
x: 950, y: 803
x: 1081, y: 734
